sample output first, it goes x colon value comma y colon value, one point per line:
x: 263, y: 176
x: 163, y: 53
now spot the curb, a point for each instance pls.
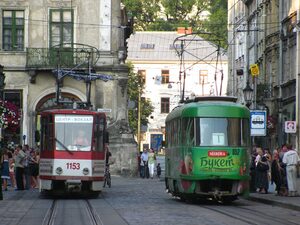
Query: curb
x: 274, y: 203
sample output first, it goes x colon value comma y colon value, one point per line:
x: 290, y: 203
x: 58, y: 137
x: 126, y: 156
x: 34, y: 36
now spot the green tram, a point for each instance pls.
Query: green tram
x: 208, y: 149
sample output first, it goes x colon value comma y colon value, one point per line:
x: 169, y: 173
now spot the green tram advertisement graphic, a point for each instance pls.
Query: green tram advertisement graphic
x: 208, y: 148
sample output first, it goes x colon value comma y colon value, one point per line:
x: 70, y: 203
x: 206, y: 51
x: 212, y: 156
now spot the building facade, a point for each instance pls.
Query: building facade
x: 41, y: 40
x: 266, y: 33
x: 175, y: 66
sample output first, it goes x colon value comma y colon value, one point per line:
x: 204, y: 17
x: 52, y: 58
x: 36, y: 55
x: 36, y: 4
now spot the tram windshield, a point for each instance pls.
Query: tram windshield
x: 73, y: 132
x: 232, y: 132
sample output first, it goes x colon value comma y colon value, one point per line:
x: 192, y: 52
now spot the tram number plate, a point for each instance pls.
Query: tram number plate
x: 73, y: 166
x: 235, y: 151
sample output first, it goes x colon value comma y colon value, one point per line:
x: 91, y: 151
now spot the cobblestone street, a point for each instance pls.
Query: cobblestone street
x: 138, y: 201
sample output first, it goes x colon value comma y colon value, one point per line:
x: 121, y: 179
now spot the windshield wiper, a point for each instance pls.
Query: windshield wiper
x: 65, y: 147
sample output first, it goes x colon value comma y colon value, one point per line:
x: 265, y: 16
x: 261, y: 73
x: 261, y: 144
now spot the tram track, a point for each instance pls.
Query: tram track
x: 249, y: 216
x: 86, y: 210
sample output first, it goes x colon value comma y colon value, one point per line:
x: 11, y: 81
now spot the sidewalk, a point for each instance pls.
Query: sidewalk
x: 282, y: 201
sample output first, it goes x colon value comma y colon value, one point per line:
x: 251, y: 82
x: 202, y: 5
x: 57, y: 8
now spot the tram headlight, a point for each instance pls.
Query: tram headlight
x: 85, y: 171
x: 59, y: 170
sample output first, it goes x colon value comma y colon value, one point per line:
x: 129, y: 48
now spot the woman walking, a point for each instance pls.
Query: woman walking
x: 151, y: 162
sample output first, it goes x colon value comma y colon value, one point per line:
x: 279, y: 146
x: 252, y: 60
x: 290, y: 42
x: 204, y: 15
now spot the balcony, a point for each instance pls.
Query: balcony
x: 50, y: 58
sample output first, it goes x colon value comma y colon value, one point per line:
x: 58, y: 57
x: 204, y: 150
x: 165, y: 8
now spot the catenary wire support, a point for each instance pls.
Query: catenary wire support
x: 185, y: 40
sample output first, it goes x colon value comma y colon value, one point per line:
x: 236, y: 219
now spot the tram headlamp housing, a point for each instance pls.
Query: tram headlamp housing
x: 85, y: 171
x: 59, y: 170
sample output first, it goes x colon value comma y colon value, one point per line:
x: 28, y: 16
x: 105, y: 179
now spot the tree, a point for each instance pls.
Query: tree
x: 217, y: 21
x: 168, y: 15
x: 143, y: 12
x: 165, y: 15
x: 136, y: 84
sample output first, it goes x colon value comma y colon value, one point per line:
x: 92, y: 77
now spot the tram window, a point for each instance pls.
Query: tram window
x: 213, y: 131
x: 168, y: 135
x: 73, y: 132
x: 43, y: 132
x: 99, y: 134
x: 221, y: 132
x: 245, y: 132
x: 47, y: 133
x: 188, y: 131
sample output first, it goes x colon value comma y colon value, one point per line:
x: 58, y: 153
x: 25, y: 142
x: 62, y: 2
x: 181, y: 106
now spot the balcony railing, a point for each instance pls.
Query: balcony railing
x: 49, y: 58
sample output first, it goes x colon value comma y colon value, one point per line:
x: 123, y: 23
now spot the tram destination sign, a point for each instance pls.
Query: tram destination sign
x: 258, y: 122
x: 73, y: 119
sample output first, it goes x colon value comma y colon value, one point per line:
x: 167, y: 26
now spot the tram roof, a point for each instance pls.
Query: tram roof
x: 212, y: 106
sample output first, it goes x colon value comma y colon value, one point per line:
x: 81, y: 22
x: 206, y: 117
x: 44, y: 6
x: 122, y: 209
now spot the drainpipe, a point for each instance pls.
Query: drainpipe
x: 280, y: 130
x: 297, y: 30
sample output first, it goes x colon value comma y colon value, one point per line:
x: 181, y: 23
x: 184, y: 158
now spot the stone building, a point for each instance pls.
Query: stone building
x: 266, y: 33
x: 40, y: 38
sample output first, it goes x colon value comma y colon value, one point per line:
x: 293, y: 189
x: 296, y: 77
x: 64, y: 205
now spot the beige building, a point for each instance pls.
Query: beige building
x: 175, y: 66
x: 40, y: 38
x: 266, y: 33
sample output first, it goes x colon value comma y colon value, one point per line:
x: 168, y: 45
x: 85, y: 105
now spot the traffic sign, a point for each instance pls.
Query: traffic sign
x: 290, y: 127
x: 104, y: 110
x: 254, y: 70
x: 258, y: 122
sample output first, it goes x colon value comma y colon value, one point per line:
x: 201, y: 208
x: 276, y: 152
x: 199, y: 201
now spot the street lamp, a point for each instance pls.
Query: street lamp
x: 248, y: 92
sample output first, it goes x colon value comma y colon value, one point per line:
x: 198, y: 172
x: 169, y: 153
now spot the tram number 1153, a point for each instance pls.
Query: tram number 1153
x: 73, y: 166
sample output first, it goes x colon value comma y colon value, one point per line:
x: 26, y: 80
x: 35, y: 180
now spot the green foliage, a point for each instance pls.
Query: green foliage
x: 217, y: 21
x: 136, y: 84
x: 177, y: 10
x: 143, y: 12
x: 168, y: 15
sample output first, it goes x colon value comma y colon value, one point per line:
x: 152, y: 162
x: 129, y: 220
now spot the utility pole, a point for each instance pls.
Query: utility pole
x: 139, y: 120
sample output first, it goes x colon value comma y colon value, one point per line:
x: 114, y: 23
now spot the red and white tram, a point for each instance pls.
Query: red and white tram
x: 72, y: 157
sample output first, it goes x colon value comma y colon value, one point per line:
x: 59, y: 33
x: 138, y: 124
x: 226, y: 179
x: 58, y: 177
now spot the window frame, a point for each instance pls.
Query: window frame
x: 61, y: 24
x: 165, y: 76
x: 142, y: 76
x: 164, y: 105
x: 203, y: 77
x: 13, y: 27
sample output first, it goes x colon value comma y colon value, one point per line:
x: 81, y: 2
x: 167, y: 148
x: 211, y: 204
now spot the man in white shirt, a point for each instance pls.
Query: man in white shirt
x: 291, y: 159
x: 144, y: 160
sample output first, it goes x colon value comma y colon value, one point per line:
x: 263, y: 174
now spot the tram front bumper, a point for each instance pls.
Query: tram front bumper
x: 73, y: 185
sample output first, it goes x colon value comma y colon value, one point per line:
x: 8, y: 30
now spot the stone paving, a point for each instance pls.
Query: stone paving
x: 127, y: 198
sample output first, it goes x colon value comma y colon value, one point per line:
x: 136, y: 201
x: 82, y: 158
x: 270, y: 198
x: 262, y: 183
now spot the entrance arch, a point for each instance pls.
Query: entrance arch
x: 49, y: 101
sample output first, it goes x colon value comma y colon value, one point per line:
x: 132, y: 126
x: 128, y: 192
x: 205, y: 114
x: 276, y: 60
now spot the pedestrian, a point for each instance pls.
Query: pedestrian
x: 283, y: 151
x: 277, y: 173
x: 262, y: 181
x: 151, y: 162
x: 268, y: 156
x: 144, y: 158
x: 19, y: 157
x: 158, y: 170
x: 291, y: 159
x: 259, y: 154
x: 34, y: 168
x: 5, y: 170
x: 12, y: 169
x: 252, y: 172
x: 141, y: 165
x: 27, y: 175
